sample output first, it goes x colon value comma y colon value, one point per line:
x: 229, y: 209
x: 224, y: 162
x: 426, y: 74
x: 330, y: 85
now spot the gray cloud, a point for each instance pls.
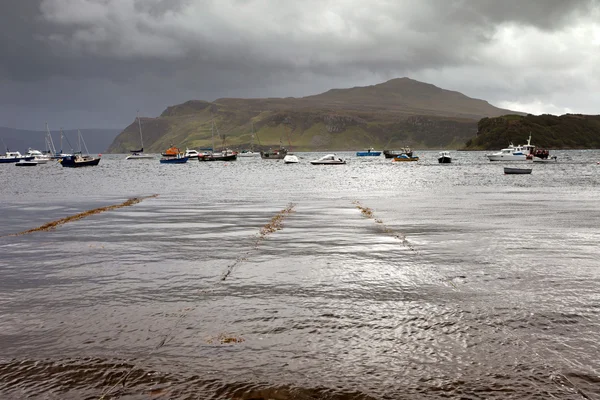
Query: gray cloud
x: 94, y: 62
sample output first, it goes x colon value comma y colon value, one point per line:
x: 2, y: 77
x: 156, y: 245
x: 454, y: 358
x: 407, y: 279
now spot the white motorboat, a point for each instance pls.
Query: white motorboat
x: 38, y: 156
x: 191, y: 153
x: 444, y: 157
x: 329, y: 159
x: 248, y: 153
x: 13, y: 157
x: 31, y: 163
x: 514, y: 153
x: 291, y: 159
x: 139, y: 154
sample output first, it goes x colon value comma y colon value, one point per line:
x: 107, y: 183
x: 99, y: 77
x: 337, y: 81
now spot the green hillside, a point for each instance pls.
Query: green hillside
x: 569, y: 131
x: 393, y: 114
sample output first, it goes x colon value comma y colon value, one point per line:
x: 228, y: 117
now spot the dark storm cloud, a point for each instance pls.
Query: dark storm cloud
x: 97, y: 61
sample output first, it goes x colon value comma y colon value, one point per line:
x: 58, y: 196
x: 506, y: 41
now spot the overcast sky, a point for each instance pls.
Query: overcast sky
x: 93, y: 63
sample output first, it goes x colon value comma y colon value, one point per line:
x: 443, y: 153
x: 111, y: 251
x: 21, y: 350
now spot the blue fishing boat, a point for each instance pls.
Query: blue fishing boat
x: 368, y: 153
x: 179, y: 159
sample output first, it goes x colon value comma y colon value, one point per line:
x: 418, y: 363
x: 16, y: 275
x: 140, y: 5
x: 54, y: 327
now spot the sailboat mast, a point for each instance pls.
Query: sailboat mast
x: 140, y: 126
x: 212, y: 134
x: 49, y: 142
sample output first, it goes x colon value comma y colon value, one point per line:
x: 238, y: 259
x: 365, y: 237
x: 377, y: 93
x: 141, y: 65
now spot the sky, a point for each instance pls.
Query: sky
x: 94, y: 63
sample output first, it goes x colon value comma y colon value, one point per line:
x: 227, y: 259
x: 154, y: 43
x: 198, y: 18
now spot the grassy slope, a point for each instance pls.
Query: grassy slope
x: 569, y: 131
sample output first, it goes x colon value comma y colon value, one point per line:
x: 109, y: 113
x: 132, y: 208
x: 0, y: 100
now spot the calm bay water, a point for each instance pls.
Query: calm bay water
x: 464, y: 282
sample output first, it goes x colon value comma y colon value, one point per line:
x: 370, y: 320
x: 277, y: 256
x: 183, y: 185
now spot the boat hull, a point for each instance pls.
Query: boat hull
x: 368, y: 153
x: 139, y: 157
x: 516, y: 171
x: 26, y: 163
x: 507, y: 157
x: 291, y: 159
x: 181, y: 160
x: 213, y: 157
x: 403, y: 159
x: 444, y: 160
x: 10, y: 160
x: 328, y: 163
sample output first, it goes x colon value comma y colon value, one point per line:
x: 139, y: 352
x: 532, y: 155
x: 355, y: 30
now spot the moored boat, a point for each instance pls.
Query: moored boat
x: 370, y: 152
x: 516, y: 171
x: 291, y: 159
x: 171, y: 152
x: 139, y: 154
x: 13, y: 157
x: 38, y: 156
x: 178, y: 159
x: 405, y: 157
x: 191, y: 153
x: 79, y: 160
x: 277, y: 154
x: 24, y: 163
x: 514, y: 153
x: 444, y: 157
x: 224, y: 155
x: 329, y: 159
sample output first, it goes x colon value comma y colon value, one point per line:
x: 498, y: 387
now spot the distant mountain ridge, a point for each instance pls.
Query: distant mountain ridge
x: 395, y: 113
x: 97, y: 140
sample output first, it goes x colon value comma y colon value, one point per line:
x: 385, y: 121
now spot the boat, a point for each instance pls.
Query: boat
x: 38, y: 156
x: 178, y: 159
x: 139, y: 154
x: 24, y: 163
x: 79, y: 159
x: 274, y: 154
x: 516, y: 171
x: 514, y: 153
x: 251, y: 152
x: 548, y: 160
x: 13, y: 157
x: 444, y: 157
x: 368, y: 153
x: 171, y: 152
x: 191, y: 153
x: 395, y: 153
x: 223, y: 155
x: 329, y: 159
x: 406, y: 156
x: 291, y: 159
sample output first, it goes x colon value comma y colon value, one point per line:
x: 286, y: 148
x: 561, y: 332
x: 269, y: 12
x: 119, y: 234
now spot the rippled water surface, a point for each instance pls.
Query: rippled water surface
x: 258, y: 280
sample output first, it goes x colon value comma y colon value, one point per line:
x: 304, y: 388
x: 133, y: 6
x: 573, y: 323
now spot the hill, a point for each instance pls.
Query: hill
x: 97, y: 140
x: 396, y: 113
x: 569, y: 131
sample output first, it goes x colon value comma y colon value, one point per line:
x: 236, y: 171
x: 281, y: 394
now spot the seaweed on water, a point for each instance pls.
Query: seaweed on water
x: 52, y: 225
x: 368, y: 213
x: 275, y: 224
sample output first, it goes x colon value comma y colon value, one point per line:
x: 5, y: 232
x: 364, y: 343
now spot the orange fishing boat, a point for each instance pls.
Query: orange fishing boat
x: 171, y: 152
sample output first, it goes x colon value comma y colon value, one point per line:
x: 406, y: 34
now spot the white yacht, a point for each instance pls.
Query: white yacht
x: 329, y: 159
x: 514, y: 153
x: 13, y: 157
x: 38, y: 156
x: 191, y: 153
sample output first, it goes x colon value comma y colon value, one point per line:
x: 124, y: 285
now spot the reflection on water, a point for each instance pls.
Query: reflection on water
x: 464, y: 283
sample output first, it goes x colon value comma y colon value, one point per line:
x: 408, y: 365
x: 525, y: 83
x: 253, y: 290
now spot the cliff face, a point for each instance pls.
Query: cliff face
x: 569, y: 131
x: 392, y: 114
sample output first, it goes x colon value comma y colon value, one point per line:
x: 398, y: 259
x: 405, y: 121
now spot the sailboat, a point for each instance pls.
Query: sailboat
x: 251, y: 152
x: 79, y: 159
x: 139, y: 154
x: 224, y: 155
x: 289, y: 157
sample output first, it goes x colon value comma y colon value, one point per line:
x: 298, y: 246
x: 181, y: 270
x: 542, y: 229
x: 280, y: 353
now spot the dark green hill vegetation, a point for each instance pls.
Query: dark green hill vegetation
x: 397, y: 113
x: 569, y: 131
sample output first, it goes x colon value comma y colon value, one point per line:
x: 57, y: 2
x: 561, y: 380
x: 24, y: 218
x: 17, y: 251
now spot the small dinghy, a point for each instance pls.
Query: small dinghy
x: 516, y: 171
x: 290, y: 159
